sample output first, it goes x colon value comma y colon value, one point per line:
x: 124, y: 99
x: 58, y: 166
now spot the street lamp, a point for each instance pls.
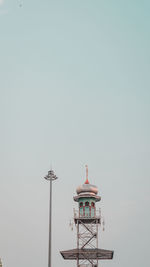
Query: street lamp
x: 50, y: 177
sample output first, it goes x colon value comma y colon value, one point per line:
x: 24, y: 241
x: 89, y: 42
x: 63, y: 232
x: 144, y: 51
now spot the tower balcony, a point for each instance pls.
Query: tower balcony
x: 87, y: 217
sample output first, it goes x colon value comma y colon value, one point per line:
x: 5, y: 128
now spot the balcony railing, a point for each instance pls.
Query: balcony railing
x: 78, y: 214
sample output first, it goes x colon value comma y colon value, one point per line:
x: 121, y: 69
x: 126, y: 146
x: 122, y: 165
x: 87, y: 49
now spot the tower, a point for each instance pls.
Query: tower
x: 87, y: 220
x: 0, y: 263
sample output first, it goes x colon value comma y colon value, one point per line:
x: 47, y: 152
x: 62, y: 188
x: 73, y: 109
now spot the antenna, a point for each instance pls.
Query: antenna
x: 71, y: 225
x: 103, y: 222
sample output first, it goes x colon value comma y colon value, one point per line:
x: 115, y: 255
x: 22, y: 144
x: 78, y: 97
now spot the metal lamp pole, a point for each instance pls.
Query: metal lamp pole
x: 50, y: 177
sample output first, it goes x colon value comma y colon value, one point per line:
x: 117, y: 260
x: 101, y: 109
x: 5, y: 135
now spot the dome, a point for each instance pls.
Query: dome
x: 87, y: 188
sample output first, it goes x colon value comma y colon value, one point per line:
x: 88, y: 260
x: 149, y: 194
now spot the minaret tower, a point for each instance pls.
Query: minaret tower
x: 87, y: 219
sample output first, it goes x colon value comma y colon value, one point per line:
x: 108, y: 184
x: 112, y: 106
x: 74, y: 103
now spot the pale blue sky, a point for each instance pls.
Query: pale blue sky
x: 74, y: 90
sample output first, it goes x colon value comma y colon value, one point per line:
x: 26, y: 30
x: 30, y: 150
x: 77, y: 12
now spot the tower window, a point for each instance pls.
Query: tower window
x: 93, y: 204
x: 87, y: 204
x: 81, y: 204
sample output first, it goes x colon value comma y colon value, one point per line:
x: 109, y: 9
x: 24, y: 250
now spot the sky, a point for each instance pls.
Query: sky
x: 74, y: 90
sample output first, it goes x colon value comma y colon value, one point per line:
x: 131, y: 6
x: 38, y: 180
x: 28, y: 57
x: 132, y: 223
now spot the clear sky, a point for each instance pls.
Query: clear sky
x: 74, y: 90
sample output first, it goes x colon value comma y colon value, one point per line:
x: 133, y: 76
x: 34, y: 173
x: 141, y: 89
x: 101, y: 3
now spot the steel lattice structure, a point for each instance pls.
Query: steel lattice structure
x: 87, y: 240
x: 87, y: 220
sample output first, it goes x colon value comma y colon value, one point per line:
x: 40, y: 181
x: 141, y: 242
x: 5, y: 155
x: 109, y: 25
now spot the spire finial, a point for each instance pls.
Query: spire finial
x: 87, y: 181
x: 86, y: 166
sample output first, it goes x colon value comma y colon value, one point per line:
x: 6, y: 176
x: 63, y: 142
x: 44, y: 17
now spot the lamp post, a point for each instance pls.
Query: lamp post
x: 50, y: 177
